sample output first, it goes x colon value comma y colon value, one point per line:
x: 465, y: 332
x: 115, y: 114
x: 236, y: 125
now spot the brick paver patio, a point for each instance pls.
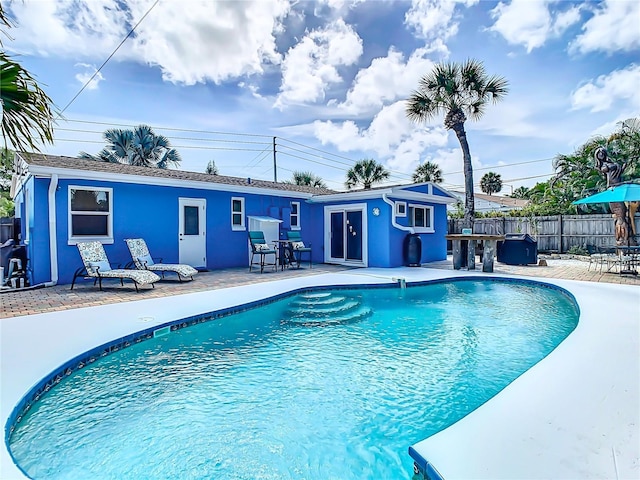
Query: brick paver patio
x: 84, y: 294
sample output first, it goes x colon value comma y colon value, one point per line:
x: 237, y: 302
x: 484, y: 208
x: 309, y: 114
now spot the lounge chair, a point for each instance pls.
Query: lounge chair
x: 143, y: 261
x: 96, y: 265
x: 259, y: 246
x: 298, y: 247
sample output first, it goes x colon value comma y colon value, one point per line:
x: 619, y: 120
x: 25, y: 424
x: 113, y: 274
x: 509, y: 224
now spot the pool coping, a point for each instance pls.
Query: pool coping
x: 46, y: 334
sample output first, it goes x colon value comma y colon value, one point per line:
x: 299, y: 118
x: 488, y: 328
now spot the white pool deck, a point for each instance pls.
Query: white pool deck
x: 574, y: 415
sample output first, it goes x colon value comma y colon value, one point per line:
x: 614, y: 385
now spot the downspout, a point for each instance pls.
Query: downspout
x: 393, y: 216
x: 53, y: 239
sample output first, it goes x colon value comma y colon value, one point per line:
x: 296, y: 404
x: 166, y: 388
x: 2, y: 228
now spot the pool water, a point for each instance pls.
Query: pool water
x: 328, y: 385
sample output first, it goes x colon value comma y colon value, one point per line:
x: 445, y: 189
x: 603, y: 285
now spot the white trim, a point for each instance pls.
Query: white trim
x: 242, y: 226
x: 375, y: 194
x: 53, y: 237
x: 79, y: 174
x: 428, y: 215
x: 328, y: 210
x: 401, y: 206
x: 297, y: 215
x: 394, y: 222
x: 108, y: 239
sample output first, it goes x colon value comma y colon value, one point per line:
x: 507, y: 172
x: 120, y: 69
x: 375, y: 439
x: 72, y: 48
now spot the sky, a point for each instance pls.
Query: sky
x: 329, y: 79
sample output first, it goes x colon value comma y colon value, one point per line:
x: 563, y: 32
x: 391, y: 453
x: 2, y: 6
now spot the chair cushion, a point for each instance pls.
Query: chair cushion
x: 103, y: 266
x: 145, y: 260
x: 261, y: 247
x: 297, y: 245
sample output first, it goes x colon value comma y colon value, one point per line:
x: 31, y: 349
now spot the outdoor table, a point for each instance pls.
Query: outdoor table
x: 629, y: 259
x: 460, y: 241
x: 285, y: 252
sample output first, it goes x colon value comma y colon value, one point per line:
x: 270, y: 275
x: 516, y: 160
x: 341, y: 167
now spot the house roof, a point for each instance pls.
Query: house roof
x: 498, y: 201
x: 73, y: 163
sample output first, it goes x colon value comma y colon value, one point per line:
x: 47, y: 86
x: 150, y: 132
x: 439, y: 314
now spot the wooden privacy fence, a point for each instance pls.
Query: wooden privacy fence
x: 554, y: 233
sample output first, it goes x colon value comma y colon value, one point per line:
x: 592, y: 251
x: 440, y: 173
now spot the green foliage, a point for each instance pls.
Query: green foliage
x: 520, y: 192
x: 306, y: 179
x: 211, y: 169
x: 491, y: 182
x: 577, y: 176
x: 458, y: 212
x: 366, y: 172
x: 7, y: 207
x: 140, y: 147
x: 576, y: 250
x: 427, y: 172
x: 27, y: 116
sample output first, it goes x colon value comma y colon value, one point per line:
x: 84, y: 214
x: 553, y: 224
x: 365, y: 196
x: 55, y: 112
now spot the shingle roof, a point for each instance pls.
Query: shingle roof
x: 55, y: 161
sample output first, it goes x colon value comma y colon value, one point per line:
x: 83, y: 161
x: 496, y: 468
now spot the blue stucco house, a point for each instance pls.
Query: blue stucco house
x: 202, y: 220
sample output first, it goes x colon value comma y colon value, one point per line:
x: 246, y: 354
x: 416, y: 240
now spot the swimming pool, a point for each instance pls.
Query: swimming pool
x: 272, y: 393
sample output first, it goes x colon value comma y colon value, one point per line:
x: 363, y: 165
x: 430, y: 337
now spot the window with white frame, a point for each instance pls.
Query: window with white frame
x: 401, y: 209
x: 90, y: 214
x: 294, y: 216
x: 237, y: 213
x: 421, y: 218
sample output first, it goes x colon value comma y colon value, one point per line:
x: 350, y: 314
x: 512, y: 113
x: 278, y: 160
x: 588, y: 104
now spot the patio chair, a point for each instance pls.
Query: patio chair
x: 259, y: 246
x: 96, y: 265
x: 143, y: 261
x: 298, y: 247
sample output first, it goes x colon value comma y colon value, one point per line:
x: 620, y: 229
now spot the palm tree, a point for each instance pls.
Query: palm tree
x: 520, y: 192
x: 25, y: 109
x: 306, y: 179
x: 491, y: 183
x: 366, y: 172
x: 461, y: 91
x: 139, y: 147
x: 211, y: 169
x: 427, y: 172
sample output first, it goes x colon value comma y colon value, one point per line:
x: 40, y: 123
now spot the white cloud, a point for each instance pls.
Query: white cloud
x: 601, y: 94
x: 434, y: 19
x: 390, y: 135
x: 613, y: 27
x: 195, y: 42
x: 385, y: 80
x: 85, y: 76
x: 531, y: 23
x: 309, y: 67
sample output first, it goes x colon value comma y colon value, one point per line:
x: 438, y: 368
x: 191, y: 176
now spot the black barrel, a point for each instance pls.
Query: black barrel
x: 412, y: 250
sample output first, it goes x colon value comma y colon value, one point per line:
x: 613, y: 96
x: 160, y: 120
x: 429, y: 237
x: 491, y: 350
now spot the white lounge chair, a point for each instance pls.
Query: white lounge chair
x: 143, y: 261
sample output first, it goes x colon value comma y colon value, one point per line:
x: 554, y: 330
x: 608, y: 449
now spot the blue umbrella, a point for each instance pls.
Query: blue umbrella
x: 625, y: 192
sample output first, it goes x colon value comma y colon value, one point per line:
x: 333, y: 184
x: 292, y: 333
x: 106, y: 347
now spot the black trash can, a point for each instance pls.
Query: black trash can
x: 518, y: 249
x: 412, y: 250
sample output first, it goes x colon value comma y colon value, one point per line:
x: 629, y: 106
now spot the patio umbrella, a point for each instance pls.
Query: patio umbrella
x: 625, y: 192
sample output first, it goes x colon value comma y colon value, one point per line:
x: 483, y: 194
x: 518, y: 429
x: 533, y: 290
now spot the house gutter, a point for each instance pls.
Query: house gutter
x: 393, y: 216
x: 53, y: 242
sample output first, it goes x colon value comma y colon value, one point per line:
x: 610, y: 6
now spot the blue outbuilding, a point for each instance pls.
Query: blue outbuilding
x: 202, y: 220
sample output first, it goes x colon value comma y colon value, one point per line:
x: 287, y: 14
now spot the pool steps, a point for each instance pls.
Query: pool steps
x: 324, y: 308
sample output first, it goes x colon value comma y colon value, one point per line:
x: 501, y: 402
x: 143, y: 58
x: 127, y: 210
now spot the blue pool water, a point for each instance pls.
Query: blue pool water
x: 328, y: 385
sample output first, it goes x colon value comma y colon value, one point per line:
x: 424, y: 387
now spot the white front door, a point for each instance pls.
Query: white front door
x: 192, y: 237
x: 345, y: 229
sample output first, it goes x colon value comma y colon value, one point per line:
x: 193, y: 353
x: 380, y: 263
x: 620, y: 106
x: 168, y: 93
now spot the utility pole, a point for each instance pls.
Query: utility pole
x: 275, y: 168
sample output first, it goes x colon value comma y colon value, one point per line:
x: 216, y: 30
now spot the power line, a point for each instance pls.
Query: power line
x: 172, y: 129
x: 108, y: 58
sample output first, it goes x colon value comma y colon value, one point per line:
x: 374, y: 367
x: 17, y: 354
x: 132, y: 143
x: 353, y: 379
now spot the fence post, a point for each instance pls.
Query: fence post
x: 560, y: 233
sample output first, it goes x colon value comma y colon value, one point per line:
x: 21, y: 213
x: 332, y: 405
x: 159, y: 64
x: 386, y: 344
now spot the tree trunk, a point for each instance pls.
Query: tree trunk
x: 469, y: 205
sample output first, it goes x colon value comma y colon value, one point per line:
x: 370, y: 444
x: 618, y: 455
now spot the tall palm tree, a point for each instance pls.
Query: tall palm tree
x: 491, y: 182
x: 366, y: 172
x: 306, y: 179
x: 25, y: 109
x: 427, y: 172
x: 139, y: 147
x: 461, y: 91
